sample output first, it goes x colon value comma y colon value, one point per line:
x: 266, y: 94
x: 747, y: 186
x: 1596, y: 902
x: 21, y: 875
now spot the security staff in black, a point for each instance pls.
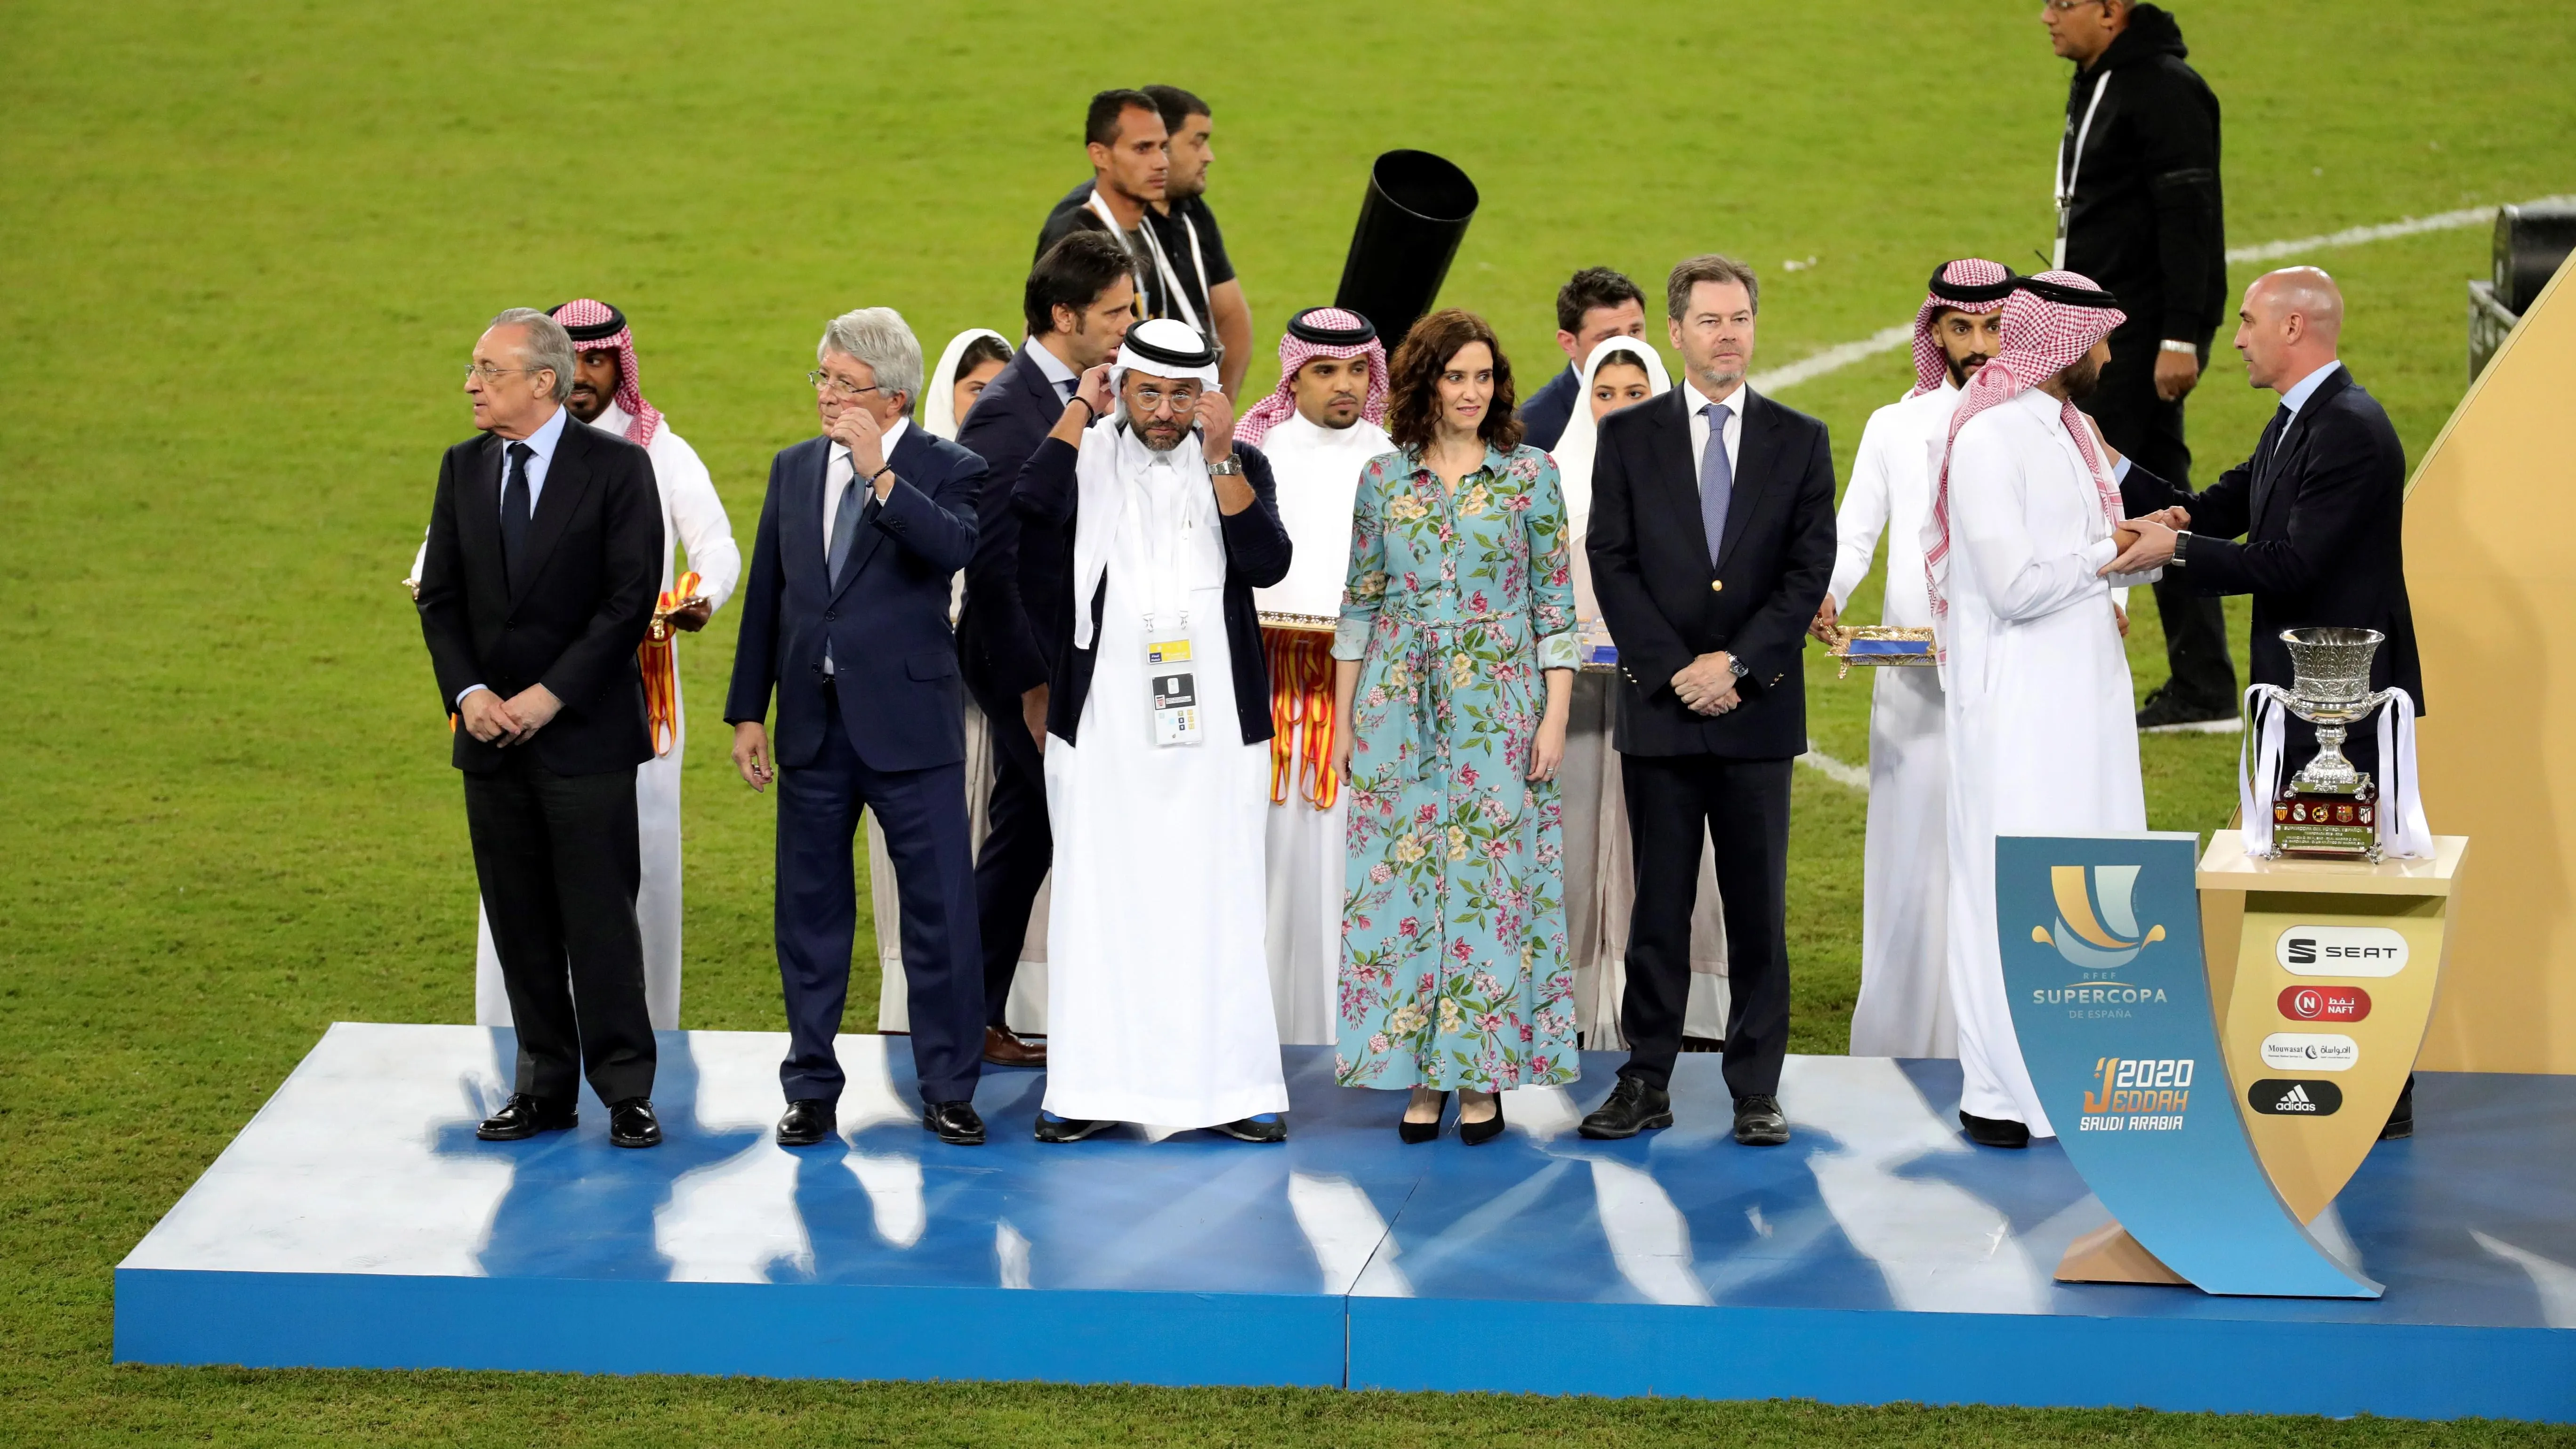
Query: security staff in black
x: 2140, y: 212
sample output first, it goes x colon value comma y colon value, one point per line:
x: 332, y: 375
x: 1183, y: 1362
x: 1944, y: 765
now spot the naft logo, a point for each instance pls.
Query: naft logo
x: 2324, y: 1003
x: 2278, y: 1097
x: 2314, y: 1051
x: 2341, y: 951
x: 2096, y: 930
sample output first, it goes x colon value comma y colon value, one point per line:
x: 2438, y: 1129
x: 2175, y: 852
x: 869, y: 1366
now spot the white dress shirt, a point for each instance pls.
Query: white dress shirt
x: 843, y: 468
x: 1064, y: 378
x: 2306, y: 388
x: 1699, y: 424
x: 543, y: 443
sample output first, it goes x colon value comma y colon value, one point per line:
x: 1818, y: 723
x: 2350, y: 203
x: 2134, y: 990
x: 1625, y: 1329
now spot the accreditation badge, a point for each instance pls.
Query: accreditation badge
x: 1173, y: 685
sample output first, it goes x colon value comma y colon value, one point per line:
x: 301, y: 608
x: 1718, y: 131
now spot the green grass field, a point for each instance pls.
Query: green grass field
x: 243, y: 252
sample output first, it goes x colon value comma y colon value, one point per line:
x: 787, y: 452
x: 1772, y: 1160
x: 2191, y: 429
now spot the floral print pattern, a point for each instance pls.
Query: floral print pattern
x: 1453, y: 922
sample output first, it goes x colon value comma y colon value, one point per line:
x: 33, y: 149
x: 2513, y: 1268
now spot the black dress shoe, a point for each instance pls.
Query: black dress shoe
x: 1633, y: 1107
x: 955, y: 1122
x: 1994, y: 1131
x: 1268, y: 1127
x: 2166, y: 710
x: 1005, y: 1048
x: 2401, y: 1118
x: 631, y: 1124
x: 1477, y: 1134
x: 524, y: 1116
x: 1759, y: 1122
x: 1417, y: 1132
x: 1052, y: 1128
x: 809, y: 1120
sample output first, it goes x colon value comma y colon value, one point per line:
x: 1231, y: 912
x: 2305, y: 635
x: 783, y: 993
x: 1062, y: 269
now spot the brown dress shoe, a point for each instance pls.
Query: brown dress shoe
x: 1002, y: 1049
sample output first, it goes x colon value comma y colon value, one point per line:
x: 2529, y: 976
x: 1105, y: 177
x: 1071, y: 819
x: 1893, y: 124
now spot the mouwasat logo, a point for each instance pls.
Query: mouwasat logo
x: 2097, y: 928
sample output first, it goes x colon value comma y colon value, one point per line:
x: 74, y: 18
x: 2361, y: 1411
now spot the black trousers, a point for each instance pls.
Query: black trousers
x: 1019, y: 848
x: 1741, y: 809
x: 556, y: 857
x: 922, y: 815
x: 2146, y: 427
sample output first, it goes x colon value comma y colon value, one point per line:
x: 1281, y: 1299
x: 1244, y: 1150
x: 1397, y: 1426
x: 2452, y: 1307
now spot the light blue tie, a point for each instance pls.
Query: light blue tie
x: 845, y: 529
x: 1716, y: 481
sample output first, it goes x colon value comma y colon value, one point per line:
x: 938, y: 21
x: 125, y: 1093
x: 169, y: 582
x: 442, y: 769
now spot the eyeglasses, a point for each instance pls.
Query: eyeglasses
x: 1153, y: 402
x: 838, y: 387
x: 2061, y: 7
x: 489, y: 373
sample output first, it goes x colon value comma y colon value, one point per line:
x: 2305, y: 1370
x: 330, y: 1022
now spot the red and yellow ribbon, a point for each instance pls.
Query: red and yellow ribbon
x: 1301, y: 694
x: 660, y: 662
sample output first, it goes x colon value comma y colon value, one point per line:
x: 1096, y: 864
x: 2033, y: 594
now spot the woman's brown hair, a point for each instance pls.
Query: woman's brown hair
x: 1413, y: 381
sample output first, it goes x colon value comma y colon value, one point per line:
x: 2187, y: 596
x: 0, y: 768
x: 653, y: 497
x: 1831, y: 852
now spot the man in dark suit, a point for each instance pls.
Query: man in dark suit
x: 1078, y: 304
x: 1595, y: 305
x: 536, y: 585
x: 2320, y: 507
x: 1712, y: 542
x: 2141, y: 211
x: 845, y: 616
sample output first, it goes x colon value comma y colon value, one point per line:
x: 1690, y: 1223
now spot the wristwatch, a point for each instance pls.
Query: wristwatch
x: 2182, y: 543
x: 1226, y: 469
x: 2170, y: 345
x: 1739, y: 666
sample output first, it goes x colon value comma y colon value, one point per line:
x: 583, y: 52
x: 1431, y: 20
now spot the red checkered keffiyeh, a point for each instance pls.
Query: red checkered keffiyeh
x: 596, y: 326
x: 1319, y: 332
x: 1971, y: 284
x: 2049, y: 321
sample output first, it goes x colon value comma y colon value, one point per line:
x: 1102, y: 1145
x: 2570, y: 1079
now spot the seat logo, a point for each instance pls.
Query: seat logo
x: 2340, y: 951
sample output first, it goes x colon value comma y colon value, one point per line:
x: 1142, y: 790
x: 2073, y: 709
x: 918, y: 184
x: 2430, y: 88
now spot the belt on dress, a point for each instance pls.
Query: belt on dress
x: 1429, y: 685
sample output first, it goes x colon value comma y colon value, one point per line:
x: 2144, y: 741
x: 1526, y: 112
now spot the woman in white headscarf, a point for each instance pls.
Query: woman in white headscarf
x: 1600, y: 879
x: 974, y: 357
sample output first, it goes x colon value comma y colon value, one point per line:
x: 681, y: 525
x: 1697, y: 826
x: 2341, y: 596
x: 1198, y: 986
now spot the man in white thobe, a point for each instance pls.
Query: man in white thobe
x: 1319, y: 429
x: 2041, y: 716
x: 1157, y: 753
x: 608, y: 394
x: 1904, y: 1007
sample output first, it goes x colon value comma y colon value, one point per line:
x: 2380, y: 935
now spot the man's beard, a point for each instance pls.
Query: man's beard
x: 582, y: 398
x: 1144, y: 432
x: 1962, y: 367
x: 1175, y: 189
x: 2081, y: 379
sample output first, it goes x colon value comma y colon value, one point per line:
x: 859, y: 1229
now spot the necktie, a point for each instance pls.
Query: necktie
x: 1066, y: 385
x: 1716, y: 480
x: 845, y: 527
x: 2267, y: 461
x: 514, y: 508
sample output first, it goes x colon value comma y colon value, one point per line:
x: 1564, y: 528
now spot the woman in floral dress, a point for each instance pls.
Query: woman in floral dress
x: 1455, y: 674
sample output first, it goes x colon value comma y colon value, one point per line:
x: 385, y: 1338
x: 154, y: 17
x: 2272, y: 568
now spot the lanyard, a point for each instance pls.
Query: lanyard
x: 2070, y: 164
x: 1162, y: 263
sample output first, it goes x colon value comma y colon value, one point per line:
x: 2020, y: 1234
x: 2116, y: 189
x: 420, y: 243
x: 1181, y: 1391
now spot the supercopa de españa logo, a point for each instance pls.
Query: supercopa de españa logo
x: 2097, y: 933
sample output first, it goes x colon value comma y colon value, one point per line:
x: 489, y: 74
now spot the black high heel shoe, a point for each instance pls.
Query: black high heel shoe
x: 1477, y: 1133
x: 1411, y: 1131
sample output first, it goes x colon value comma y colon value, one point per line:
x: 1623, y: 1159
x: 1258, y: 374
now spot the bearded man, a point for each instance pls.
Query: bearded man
x: 608, y: 394
x: 1319, y: 429
x: 2039, y: 708
x: 1904, y: 1007
x: 1158, y: 721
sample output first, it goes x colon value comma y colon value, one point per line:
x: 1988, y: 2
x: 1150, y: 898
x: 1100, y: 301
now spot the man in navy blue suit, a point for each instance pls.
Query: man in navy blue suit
x: 1078, y: 305
x: 1595, y: 305
x: 845, y: 616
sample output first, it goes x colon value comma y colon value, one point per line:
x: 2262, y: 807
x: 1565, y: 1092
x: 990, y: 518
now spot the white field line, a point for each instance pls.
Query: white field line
x: 1836, y: 358
x: 1855, y: 776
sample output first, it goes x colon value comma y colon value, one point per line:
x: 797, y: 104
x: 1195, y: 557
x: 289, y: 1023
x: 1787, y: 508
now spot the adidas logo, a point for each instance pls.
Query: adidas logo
x: 2295, y: 1100
x: 2286, y: 1097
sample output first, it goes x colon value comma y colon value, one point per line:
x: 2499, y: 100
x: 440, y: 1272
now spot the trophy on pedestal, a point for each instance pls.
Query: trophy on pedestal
x: 2329, y: 808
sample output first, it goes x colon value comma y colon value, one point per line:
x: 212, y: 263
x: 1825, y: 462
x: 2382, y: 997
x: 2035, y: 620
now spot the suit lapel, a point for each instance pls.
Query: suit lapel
x: 1673, y: 463
x: 568, y: 479
x: 800, y: 524
x: 1752, y: 465
x: 478, y: 507
x: 863, y: 542
x: 2290, y: 450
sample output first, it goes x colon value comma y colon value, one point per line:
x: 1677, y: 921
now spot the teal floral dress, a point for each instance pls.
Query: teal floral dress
x: 1453, y: 920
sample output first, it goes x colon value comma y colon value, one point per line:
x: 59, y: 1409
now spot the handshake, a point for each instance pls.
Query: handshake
x: 2146, y: 542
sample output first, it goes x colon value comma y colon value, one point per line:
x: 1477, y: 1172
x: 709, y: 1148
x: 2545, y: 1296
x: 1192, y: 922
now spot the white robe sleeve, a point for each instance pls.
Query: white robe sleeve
x: 1864, y: 513
x: 698, y: 516
x: 1989, y: 512
x: 419, y: 560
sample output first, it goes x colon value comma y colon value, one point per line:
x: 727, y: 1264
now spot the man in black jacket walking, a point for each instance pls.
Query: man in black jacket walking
x: 2139, y: 210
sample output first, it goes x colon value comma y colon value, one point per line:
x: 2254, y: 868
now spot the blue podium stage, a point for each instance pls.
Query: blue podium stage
x: 357, y: 1222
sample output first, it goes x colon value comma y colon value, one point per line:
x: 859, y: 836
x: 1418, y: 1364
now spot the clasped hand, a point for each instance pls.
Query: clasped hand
x: 514, y: 721
x: 1708, y: 684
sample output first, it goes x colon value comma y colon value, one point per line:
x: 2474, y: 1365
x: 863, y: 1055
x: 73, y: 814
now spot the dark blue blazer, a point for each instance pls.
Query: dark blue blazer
x: 1010, y: 589
x: 1544, y: 416
x: 894, y: 659
x: 2326, y: 547
x: 1257, y: 551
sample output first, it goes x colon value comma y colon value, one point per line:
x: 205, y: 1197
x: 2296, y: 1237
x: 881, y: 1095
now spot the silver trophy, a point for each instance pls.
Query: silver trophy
x: 2329, y: 808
